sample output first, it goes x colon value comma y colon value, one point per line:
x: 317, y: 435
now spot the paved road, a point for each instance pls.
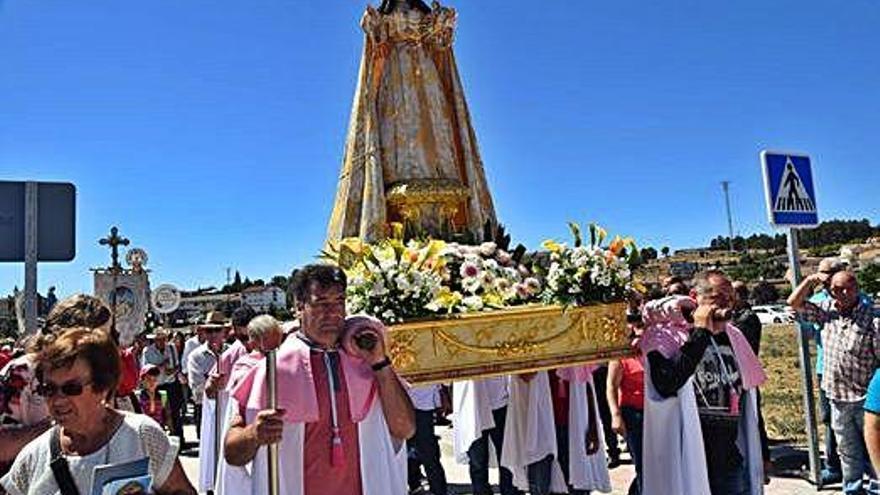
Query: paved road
x: 458, y: 475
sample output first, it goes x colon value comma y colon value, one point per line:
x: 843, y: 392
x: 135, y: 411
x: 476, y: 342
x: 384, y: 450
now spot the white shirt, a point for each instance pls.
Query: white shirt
x: 497, y: 391
x: 201, y: 362
x: 425, y: 398
x: 138, y: 436
x: 190, y: 345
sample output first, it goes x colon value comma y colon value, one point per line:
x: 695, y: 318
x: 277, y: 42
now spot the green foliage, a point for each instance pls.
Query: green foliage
x: 869, y: 279
x: 827, y: 233
x: 648, y: 254
x: 765, y: 293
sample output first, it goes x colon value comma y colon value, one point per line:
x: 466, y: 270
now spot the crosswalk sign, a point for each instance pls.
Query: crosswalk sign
x: 789, y: 189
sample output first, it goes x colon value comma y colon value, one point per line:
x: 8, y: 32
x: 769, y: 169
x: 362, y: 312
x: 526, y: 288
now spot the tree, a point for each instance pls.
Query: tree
x: 665, y: 251
x: 869, y: 279
x: 648, y: 254
x: 765, y: 293
x: 281, y: 282
x: 236, y: 284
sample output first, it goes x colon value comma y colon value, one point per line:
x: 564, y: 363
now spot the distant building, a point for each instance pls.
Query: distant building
x: 198, y: 305
x: 264, y: 298
x: 684, y: 269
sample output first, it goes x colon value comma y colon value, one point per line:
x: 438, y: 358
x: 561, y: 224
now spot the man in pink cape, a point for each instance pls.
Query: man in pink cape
x: 701, y: 375
x: 343, y: 414
x: 264, y: 334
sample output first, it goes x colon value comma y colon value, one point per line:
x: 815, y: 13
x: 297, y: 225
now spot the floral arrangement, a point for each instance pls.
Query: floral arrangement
x: 398, y: 281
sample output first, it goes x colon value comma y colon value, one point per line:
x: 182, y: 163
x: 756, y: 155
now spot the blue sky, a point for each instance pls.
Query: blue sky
x: 211, y: 133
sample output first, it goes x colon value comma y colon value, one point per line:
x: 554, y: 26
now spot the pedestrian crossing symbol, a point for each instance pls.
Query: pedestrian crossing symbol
x: 789, y: 188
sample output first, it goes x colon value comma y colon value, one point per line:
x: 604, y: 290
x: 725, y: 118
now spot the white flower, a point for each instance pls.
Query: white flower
x: 470, y: 268
x: 471, y: 285
x: 473, y: 303
x: 403, y: 283
x: 533, y: 285
x: 378, y: 289
x: 388, y: 315
x: 503, y: 257
x: 488, y: 248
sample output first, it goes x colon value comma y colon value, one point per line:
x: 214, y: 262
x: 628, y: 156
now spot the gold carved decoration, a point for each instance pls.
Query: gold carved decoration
x: 508, y: 341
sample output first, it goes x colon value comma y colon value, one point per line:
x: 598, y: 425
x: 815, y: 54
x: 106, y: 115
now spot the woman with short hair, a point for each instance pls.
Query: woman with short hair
x: 78, y: 371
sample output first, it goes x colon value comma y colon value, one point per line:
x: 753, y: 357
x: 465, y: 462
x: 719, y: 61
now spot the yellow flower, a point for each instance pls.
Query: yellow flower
x: 552, y: 246
x: 617, y: 245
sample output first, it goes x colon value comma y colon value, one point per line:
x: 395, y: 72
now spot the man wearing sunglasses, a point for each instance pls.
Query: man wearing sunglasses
x: 851, y: 340
x: 28, y: 407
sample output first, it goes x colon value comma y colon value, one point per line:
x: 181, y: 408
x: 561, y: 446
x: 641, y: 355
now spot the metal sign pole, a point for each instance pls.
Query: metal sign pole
x: 806, y: 366
x: 31, y: 252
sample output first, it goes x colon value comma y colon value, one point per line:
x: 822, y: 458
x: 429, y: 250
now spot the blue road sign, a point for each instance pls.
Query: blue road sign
x: 789, y: 189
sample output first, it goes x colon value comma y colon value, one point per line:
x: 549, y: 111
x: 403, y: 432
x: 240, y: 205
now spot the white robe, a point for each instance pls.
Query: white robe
x: 672, y: 449
x: 383, y: 460
x: 586, y: 472
x: 472, y: 415
x: 231, y: 480
x: 207, y: 473
x: 530, y: 431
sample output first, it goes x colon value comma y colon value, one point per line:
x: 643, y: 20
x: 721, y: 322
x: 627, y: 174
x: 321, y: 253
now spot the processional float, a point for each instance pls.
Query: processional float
x: 412, y: 170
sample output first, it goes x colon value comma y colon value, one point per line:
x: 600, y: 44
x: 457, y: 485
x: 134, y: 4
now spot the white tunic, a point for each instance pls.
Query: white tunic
x: 530, y: 431
x: 383, y: 460
x: 474, y: 401
x: 586, y: 472
x: 232, y: 480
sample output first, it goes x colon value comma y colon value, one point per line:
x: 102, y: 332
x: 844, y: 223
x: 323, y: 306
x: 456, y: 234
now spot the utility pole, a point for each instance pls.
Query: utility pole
x: 725, y: 184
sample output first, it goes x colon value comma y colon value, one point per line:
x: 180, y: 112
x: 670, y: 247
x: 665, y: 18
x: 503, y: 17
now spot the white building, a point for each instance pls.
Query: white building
x: 203, y: 303
x: 262, y: 299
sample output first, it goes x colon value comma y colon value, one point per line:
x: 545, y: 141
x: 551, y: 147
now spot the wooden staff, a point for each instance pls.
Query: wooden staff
x: 218, y: 422
x: 272, y: 393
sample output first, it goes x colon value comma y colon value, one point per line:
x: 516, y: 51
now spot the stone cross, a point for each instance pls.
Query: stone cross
x: 114, y: 240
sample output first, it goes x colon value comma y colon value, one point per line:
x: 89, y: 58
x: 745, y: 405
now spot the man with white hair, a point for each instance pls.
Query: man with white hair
x: 264, y: 334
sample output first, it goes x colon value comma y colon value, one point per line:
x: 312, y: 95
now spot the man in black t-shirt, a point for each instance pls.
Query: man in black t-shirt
x: 708, y: 357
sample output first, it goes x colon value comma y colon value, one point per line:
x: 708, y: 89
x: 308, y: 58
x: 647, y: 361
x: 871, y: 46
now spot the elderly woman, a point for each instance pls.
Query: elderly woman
x: 78, y: 370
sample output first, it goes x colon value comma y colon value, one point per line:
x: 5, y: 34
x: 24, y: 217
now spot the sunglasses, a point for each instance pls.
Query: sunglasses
x: 72, y: 388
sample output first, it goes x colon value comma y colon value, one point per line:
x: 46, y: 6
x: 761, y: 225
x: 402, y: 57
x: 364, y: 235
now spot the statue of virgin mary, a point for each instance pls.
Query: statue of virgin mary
x: 411, y: 153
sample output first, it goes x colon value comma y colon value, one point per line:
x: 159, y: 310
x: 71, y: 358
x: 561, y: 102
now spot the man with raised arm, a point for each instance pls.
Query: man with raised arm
x: 343, y: 415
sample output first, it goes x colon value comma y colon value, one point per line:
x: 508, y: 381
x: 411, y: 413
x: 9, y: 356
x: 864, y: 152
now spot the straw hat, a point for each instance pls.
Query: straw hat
x: 214, y: 319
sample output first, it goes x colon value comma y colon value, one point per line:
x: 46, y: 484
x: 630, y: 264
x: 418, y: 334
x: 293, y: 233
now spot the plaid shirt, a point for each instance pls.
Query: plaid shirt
x: 852, y: 348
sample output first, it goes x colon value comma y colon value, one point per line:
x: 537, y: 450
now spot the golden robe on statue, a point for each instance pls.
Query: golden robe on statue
x: 411, y: 153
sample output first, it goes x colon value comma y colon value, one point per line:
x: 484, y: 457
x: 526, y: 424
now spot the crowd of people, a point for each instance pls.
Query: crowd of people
x: 687, y: 403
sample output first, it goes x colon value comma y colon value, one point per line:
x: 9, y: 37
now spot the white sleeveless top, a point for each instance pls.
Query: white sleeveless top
x: 138, y: 436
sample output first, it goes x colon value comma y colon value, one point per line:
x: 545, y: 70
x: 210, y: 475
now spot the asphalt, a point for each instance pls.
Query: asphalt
x: 621, y: 476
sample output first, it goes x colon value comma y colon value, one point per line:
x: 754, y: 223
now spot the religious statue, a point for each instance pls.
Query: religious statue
x: 411, y: 153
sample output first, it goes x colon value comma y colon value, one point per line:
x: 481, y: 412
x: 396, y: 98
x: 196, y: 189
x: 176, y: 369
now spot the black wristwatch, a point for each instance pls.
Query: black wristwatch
x: 381, y: 364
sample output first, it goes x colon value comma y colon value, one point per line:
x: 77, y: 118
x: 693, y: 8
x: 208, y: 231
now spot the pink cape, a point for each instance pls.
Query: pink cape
x: 296, y: 385
x: 229, y: 357
x: 667, y: 331
x: 576, y: 374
